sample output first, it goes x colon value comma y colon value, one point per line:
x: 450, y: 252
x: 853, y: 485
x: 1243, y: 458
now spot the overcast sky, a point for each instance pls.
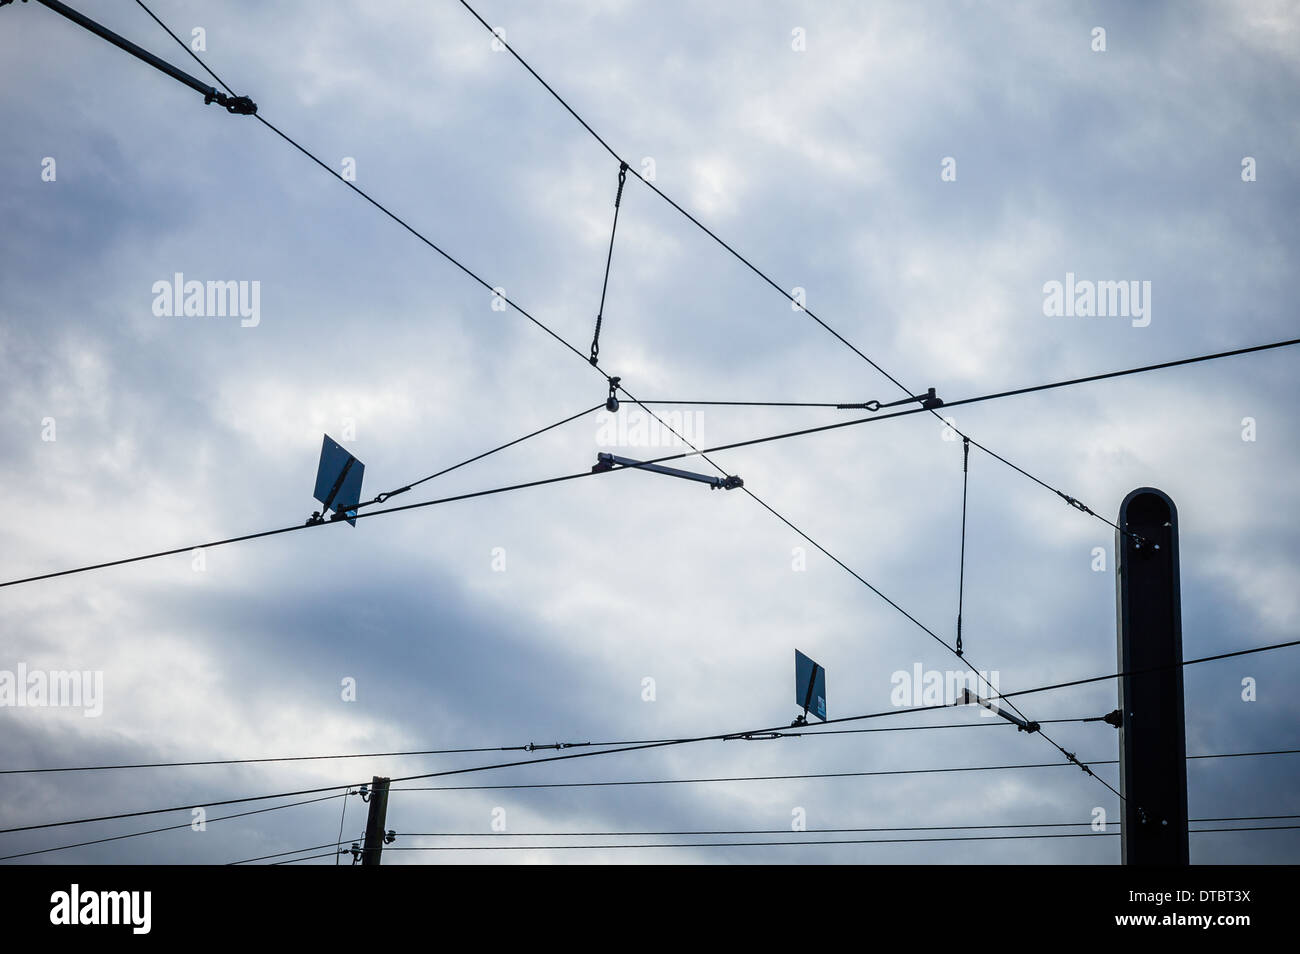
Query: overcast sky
x: 813, y: 138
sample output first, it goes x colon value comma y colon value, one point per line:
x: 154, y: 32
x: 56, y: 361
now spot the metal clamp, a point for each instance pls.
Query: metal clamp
x: 929, y: 402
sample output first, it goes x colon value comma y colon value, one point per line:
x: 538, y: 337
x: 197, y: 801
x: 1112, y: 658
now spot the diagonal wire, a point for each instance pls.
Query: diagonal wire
x: 800, y: 306
x: 592, y: 360
x: 154, y: 831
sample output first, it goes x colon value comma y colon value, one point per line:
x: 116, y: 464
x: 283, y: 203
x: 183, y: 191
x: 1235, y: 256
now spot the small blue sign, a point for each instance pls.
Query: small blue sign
x: 809, y: 685
x: 338, y: 478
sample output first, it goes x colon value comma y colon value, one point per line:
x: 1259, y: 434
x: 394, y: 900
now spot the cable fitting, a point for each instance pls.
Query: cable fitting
x: 622, y: 178
x: 1070, y: 756
x: 240, y: 105
x: 929, y: 402
x: 392, y: 493
x: 1075, y: 503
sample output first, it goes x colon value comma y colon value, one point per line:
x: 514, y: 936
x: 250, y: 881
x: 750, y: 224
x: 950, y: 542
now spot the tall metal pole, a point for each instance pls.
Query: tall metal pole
x: 1152, y: 739
x: 373, y: 847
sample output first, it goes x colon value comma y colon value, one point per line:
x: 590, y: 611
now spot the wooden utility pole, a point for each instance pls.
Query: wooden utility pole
x: 1152, y: 738
x: 373, y: 847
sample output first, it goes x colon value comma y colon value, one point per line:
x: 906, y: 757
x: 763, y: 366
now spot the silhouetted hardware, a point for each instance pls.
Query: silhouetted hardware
x: 338, y: 478
x: 928, y: 400
x: 971, y: 699
x: 809, y: 688
x: 241, y: 105
x: 609, y: 461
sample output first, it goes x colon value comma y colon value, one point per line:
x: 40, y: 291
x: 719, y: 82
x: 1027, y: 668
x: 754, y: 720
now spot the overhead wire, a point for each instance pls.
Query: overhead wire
x: 799, y: 842
x: 409, y: 228
x: 296, y: 851
x: 577, y: 755
x: 623, y: 167
x: 528, y: 747
x: 154, y: 831
x: 786, y: 831
x: 1014, y: 392
x: 798, y: 304
x: 785, y: 435
x: 802, y: 776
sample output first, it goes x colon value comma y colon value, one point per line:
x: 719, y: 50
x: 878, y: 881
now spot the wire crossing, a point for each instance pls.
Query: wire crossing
x: 614, y: 382
x: 154, y: 831
x: 528, y: 747
x: 800, y: 306
x: 725, y: 736
x: 1074, y: 502
x: 785, y: 435
x: 381, y: 498
x: 1031, y: 389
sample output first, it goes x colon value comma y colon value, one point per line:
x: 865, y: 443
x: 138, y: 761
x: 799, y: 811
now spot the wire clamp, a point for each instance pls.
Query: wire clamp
x: 611, y: 402
x: 929, y: 402
x: 1076, y: 503
x: 240, y: 105
x: 1070, y: 756
x: 622, y: 177
x: 392, y: 493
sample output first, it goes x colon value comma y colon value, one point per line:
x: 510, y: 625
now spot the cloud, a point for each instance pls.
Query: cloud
x: 823, y: 169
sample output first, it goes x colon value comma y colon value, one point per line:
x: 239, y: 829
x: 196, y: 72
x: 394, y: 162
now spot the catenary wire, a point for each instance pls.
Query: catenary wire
x: 787, y: 831
x: 624, y: 167
x: 804, y: 776
x: 154, y: 831
x: 528, y: 747
x: 797, y: 842
x: 785, y: 435
x: 1031, y: 389
x: 296, y: 851
x: 800, y: 306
